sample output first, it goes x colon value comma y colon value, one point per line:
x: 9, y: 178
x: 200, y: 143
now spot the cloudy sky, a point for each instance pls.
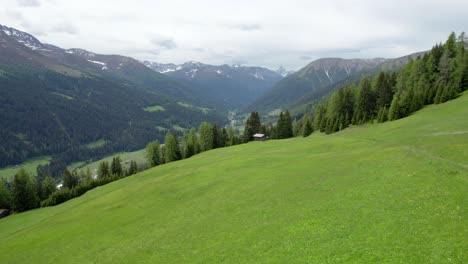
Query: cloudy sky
x: 267, y: 33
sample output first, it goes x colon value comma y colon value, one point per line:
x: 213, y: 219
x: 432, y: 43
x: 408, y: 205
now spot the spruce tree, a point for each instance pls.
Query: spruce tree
x: 153, y: 157
x: 116, y: 166
x: 365, y: 104
x: 284, y: 126
x: 48, y: 187
x: 172, y: 150
x: 70, y: 180
x: 206, y: 136
x: 24, y: 194
x: 103, y: 170
x: 5, y: 196
x: 252, y: 126
x: 307, y: 127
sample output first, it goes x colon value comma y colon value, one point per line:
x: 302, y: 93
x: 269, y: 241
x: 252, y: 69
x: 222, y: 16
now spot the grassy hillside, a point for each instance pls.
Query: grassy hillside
x: 387, y: 193
x: 30, y: 166
x: 126, y: 157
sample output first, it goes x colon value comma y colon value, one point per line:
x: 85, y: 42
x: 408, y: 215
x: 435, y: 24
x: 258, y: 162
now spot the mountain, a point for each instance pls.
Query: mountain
x: 393, y: 192
x: 321, y: 77
x: 283, y: 72
x: 231, y: 86
x: 57, y: 101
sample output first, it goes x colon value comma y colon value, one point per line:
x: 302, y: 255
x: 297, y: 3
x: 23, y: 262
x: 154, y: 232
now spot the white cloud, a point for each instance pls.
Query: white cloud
x: 29, y: 3
x: 260, y: 32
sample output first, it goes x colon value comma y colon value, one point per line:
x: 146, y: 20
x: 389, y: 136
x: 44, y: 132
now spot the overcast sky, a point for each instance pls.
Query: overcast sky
x: 252, y: 32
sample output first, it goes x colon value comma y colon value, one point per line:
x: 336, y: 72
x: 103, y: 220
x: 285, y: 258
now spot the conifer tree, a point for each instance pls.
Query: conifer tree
x: 116, y: 166
x: 24, y: 194
x: 307, y: 127
x: 70, y: 180
x: 284, y: 126
x: 252, y: 126
x: 172, y: 150
x: 206, y: 136
x: 193, y: 143
x: 153, y: 154
x: 5, y: 196
x: 48, y: 187
x: 103, y: 170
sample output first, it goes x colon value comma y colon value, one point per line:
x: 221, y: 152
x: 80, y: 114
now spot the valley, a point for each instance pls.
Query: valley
x: 391, y: 192
x: 233, y: 132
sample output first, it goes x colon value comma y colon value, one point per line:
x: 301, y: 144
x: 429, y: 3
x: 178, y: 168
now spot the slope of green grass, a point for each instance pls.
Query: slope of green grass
x: 126, y: 157
x: 386, y: 193
x: 30, y: 166
x: 154, y: 108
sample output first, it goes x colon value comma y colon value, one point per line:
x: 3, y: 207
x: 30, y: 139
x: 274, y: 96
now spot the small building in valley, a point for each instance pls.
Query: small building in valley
x: 260, y: 137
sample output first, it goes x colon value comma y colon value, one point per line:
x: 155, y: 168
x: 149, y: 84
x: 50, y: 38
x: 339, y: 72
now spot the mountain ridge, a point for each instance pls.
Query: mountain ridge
x: 320, y: 77
x: 233, y: 86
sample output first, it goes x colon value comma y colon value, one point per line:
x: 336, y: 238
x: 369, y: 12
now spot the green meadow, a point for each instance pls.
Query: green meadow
x: 126, y: 157
x: 30, y: 166
x: 395, y: 192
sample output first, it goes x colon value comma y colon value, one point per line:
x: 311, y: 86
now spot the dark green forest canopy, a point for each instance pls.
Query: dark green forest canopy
x: 46, y: 113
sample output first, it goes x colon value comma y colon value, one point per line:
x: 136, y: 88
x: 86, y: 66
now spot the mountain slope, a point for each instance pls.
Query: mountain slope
x: 321, y: 77
x: 233, y: 87
x: 390, y: 193
x: 55, y: 101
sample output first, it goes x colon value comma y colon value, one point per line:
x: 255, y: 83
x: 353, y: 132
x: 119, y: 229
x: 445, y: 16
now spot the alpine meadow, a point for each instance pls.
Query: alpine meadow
x: 233, y: 132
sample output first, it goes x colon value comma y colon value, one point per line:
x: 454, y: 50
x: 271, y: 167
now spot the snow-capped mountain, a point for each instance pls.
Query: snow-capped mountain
x: 161, y: 67
x: 232, y: 85
x: 22, y: 37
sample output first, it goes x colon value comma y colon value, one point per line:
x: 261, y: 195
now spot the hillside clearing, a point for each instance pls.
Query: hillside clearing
x: 380, y: 193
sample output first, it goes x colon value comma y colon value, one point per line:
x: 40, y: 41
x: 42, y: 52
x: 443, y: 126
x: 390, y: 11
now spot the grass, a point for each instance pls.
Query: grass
x: 383, y: 193
x: 138, y: 156
x: 178, y: 128
x: 203, y: 109
x: 30, y: 166
x: 160, y: 128
x: 154, y: 108
x: 96, y: 144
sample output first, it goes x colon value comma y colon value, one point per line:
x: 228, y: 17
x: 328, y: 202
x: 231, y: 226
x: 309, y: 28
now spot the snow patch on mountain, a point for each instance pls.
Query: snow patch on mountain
x: 97, y: 62
x: 258, y: 76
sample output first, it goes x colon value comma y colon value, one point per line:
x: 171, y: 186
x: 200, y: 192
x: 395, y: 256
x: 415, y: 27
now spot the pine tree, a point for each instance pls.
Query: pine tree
x: 206, y: 136
x: 252, y: 126
x: 70, y: 180
x: 24, y: 193
x: 307, y: 127
x: 193, y: 143
x: 153, y: 157
x: 319, y: 116
x: 222, y: 137
x: 231, y: 137
x: 284, y: 126
x: 172, y: 150
x: 365, y: 104
x: 5, y: 196
x: 133, y: 168
x: 382, y: 115
x: 116, y: 166
x: 48, y: 187
x: 383, y: 90
x: 103, y: 170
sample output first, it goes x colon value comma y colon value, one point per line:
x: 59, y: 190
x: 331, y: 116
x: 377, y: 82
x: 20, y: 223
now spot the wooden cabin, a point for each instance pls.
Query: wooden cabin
x: 260, y: 137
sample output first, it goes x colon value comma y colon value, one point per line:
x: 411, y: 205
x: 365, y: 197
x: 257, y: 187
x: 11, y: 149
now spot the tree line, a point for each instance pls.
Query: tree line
x: 436, y: 77
x: 27, y: 192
